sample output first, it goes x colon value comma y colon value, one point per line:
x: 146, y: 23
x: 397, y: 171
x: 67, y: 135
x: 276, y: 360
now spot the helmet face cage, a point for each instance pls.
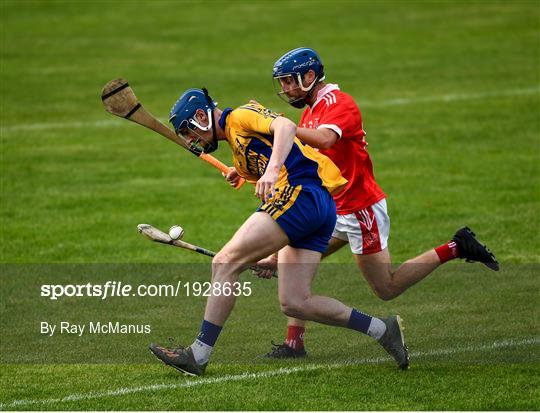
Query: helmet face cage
x: 296, y: 64
x: 278, y: 87
x: 190, y: 127
x: 183, y: 119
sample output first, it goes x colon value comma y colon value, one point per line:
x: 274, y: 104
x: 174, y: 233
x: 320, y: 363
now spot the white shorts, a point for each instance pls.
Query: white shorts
x: 366, y: 230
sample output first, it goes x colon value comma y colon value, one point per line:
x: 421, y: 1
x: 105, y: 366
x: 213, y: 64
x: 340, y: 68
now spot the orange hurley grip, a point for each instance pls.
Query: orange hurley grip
x: 221, y: 166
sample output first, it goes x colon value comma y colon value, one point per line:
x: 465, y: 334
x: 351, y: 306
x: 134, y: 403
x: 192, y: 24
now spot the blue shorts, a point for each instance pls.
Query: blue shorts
x: 307, y: 214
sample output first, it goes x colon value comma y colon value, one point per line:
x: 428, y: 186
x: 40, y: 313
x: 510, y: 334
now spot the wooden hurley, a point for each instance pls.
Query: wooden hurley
x: 120, y: 100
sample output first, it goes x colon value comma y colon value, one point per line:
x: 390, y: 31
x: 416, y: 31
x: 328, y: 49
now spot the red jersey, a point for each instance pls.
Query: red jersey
x: 337, y: 111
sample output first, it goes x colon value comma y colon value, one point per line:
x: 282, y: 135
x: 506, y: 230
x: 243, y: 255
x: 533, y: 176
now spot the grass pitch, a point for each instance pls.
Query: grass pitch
x: 449, y: 92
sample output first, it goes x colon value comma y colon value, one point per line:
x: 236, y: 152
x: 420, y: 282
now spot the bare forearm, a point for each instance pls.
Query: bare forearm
x: 317, y: 138
x: 284, y: 134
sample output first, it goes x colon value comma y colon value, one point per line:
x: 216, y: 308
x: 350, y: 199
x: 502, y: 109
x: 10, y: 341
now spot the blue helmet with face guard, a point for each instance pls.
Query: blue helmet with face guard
x: 183, y: 119
x: 298, y: 62
x: 295, y: 64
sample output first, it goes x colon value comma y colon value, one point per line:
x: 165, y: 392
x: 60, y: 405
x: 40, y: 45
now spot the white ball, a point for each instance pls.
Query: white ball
x: 176, y: 232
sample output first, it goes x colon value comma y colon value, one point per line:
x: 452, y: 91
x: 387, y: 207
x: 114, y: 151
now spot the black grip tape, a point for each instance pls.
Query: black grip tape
x: 132, y: 111
x: 115, y: 91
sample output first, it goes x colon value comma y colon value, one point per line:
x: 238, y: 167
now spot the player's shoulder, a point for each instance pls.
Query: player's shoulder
x: 254, y: 107
x: 344, y: 98
x: 243, y: 112
x: 338, y: 98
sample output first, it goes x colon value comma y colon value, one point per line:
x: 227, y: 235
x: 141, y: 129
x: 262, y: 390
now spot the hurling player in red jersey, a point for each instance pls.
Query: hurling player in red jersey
x: 332, y: 122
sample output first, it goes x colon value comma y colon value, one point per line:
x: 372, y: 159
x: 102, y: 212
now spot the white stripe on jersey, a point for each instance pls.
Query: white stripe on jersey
x: 335, y: 128
x: 330, y: 99
x: 326, y: 100
x: 323, y: 92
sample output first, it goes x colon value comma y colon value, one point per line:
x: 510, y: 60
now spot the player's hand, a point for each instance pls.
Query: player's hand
x: 254, y: 102
x: 265, y: 186
x: 266, y: 267
x: 232, y: 176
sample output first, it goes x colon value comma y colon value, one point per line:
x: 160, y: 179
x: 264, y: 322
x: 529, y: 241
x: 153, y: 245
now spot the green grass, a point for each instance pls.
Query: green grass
x: 357, y: 387
x: 75, y: 182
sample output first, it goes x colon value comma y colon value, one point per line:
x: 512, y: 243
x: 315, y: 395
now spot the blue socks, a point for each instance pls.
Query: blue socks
x: 204, y: 344
x: 372, y: 326
x: 359, y: 321
x: 209, y: 333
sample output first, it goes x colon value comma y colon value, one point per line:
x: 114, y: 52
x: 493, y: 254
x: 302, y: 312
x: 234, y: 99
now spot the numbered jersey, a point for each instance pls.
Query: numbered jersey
x: 248, y: 132
x: 337, y: 111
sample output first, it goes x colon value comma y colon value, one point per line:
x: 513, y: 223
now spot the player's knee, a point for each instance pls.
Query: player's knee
x: 293, y: 308
x: 227, y: 257
x: 292, y: 311
x: 222, y: 257
x: 386, y: 292
x: 225, y: 267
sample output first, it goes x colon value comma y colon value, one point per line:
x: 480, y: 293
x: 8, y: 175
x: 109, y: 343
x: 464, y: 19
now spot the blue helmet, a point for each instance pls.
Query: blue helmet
x: 182, y: 117
x: 296, y: 64
x: 299, y: 61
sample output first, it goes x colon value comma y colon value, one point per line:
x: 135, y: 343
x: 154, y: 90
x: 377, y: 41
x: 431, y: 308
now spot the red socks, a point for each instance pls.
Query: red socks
x: 295, y: 337
x: 447, y: 252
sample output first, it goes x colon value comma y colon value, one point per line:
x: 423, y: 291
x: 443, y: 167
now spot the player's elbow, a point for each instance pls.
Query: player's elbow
x: 327, y: 138
x: 326, y: 143
x: 289, y: 128
x: 285, y: 126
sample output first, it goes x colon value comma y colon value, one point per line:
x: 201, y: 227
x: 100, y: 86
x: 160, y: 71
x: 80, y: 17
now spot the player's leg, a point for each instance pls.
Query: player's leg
x: 293, y: 345
x: 334, y: 245
x: 368, y: 232
x: 258, y: 237
x: 388, y: 284
x: 297, y: 268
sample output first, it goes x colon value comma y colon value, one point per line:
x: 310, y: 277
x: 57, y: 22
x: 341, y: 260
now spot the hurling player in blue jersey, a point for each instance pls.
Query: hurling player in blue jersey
x: 297, y: 216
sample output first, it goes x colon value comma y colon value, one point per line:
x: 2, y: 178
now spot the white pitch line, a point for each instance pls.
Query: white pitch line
x: 451, y: 97
x: 104, y: 123
x: 383, y: 103
x: 262, y: 375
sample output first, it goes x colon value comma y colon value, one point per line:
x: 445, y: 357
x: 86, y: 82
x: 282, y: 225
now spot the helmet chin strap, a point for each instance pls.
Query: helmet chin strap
x: 210, y: 147
x: 299, y: 103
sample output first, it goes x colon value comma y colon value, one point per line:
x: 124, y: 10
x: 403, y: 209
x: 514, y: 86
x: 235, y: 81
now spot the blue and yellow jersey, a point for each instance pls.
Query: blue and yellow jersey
x: 248, y: 132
